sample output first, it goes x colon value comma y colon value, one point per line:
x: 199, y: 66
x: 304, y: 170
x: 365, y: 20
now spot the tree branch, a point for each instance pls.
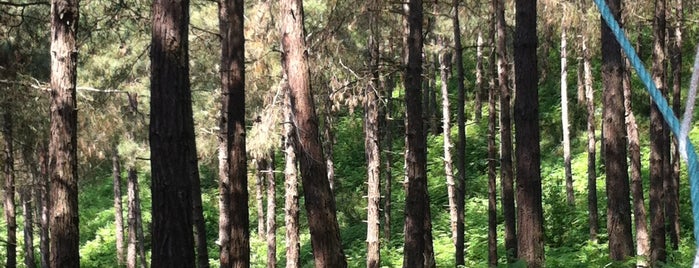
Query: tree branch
x: 5, y: 3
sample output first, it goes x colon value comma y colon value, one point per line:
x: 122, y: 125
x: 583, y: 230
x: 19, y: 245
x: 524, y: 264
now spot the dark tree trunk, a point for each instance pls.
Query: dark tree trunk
x: 25, y: 196
x: 291, y: 194
x: 260, y: 196
x: 461, y: 138
x: 591, y: 143
x: 530, y: 241
x: 136, y: 241
x: 492, y: 161
x: 234, y: 231
x: 202, y: 253
x: 478, y: 92
x: 388, y: 85
x: 614, y: 142
x: 9, y: 190
x: 320, y: 203
x: 639, y: 207
x: 271, y: 212
x: 416, y: 199
x: 371, y: 139
x: 118, y: 210
x: 673, y: 180
x: 659, y: 144
x: 506, y: 168
x: 63, y: 161
x: 171, y: 136
x: 329, y: 139
x: 42, y: 195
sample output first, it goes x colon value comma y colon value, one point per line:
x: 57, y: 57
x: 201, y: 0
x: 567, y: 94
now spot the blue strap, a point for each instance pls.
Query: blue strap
x: 664, y: 108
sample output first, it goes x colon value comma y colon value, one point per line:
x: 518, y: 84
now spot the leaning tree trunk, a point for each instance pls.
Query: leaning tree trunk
x: 591, y: 143
x: 171, y: 136
x: 416, y: 200
x: 461, y: 138
x: 506, y: 168
x: 320, y: 203
x: 614, y: 143
x: 63, y: 161
x: 9, y: 193
x: 672, y: 206
x: 118, y: 210
x: 234, y: 233
x: 271, y: 214
x: 658, y: 143
x: 371, y: 139
x: 530, y: 243
x: 570, y: 195
x: 291, y: 195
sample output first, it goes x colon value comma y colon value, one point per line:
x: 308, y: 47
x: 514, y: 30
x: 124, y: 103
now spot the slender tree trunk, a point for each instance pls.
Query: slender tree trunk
x: 591, y: 143
x: 202, y: 252
x: 416, y: 199
x: 118, y: 211
x: 461, y: 138
x: 329, y: 139
x: 320, y: 203
x: 171, y: 137
x: 9, y: 191
x: 140, y: 238
x: 371, y: 139
x: 271, y: 212
x: 570, y: 194
x: 291, y: 195
x: 658, y: 143
x: 530, y: 243
x: 234, y: 231
x: 618, y: 203
x: 25, y: 196
x: 388, y: 158
x: 492, y: 157
x: 673, y: 181
x: 63, y: 161
x: 639, y: 208
x: 506, y: 168
x: 259, y: 196
x: 478, y: 91
x: 444, y: 59
x: 132, y: 195
x: 42, y: 195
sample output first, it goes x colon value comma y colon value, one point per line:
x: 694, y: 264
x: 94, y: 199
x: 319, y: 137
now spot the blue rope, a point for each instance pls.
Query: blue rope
x: 664, y: 108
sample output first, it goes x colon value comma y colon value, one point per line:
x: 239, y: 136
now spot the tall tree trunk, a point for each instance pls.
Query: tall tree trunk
x: 25, y: 196
x: 530, y: 243
x: 9, y: 191
x: 132, y: 194
x: 461, y: 138
x: 202, y: 251
x: 673, y: 180
x: 42, y: 195
x: 506, y: 168
x: 570, y: 194
x: 320, y: 203
x: 614, y: 142
x: 234, y: 231
x: 171, y: 136
x: 63, y: 161
x: 492, y: 154
x: 259, y: 196
x: 271, y: 212
x: 416, y: 200
x: 329, y: 139
x: 118, y: 210
x: 291, y: 195
x: 140, y: 238
x: 371, y: 139
x: 478, y: 91
x: 658, y: 143
x: 444, y: 60
x: 591, y: 143
x: 388, y: 85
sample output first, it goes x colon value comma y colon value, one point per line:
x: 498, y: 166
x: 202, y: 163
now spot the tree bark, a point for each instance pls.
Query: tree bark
x: 673, y: 180
x: 658, y: 143
x: 591, y: 143
x: 63, y: 161
x: 461, y: 138
x: 639, y: 208
x: 444, y: 60
x: 570, y: 194
x: 329, y: 139
x: 118, y: 210
x: 388, y: 157
x: 171, y: 136
x: 271, y: 212
x: 202, y: 251
x: 416, y: 200
x: 259, y: 197
x: 506, y: 168
x: 492, y: 161
x: 320, y: 203
x: 42, y: 193
x: 478, y: 92
x: 530, y: 243
x: 9, y: 190
x: 132, y: 195
x: 25, y: 196
x: 371, y: 139
x: 614, y: 142
x: 234, y: 231
x: 291, y: 195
